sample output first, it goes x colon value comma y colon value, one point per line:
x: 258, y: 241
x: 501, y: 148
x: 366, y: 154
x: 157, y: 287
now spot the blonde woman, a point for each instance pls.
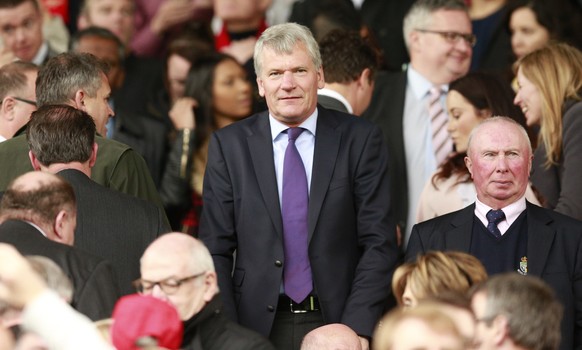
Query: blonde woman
x: 549, y: 94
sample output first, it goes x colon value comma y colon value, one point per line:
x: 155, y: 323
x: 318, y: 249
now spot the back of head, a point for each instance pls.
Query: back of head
x: 63, y: 75
x: 282, y: 39
x: 13, y: 79
x: 437, y: 272
x: 335, y: 336
x: 345, y: 54
x: 390, y: 330
x: 519, y: 298
x: 419, y: 15
x: 140, y: 318
x: 60, y: 134
x: 37, y: 197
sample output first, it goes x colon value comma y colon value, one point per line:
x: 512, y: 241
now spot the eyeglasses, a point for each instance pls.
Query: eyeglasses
x: 30, y: 102
x: 24, y: 100
x: 168, y: 286
x: 452, y: 37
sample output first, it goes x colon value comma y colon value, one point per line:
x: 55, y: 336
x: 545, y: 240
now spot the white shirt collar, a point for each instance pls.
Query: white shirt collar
x: 420, y: 85
x: 511, y: 212
x: 37, y: 227
x: 334, y: 94
x: 277, y: 127
x: 41, y: 54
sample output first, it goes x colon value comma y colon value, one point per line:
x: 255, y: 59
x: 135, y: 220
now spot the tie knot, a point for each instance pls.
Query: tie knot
x: 495, y: 216
x: 293, y: 133
x: 435, y: 92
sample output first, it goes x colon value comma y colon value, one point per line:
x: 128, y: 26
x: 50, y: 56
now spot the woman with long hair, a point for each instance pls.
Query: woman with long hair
x: 550, y: 96
x: 217, y: 94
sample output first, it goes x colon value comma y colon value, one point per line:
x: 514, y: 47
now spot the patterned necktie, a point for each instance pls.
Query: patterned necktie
x: 295, y: 199
x: 494, y: 217
x: 441, y: 141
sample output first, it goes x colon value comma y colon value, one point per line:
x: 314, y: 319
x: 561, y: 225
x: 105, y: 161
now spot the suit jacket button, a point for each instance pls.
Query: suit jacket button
x: 270, y: 308
x: 278, y: 263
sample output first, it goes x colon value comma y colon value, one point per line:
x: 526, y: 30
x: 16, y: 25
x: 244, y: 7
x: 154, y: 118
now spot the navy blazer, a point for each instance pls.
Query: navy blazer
x: 352, y: 241
x: 554, y: 251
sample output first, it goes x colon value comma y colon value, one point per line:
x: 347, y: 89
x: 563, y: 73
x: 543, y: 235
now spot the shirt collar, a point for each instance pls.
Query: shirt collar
x: 277, y: 127
x: 511, y: 211
x: 420, y: 85
x: 41, y: 54
x: 334, y: 94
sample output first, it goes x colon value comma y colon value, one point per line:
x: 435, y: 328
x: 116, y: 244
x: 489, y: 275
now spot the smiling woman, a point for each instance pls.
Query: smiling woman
x: 550, y: 85
x: 470, y: 100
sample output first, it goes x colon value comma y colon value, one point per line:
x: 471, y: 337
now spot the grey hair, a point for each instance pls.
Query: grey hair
x: 53, y: 276
x: 282, y: 39
x: 419, y: 15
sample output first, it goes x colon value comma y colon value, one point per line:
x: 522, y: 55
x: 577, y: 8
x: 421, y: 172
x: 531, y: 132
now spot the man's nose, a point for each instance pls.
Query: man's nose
x: 288, y: 80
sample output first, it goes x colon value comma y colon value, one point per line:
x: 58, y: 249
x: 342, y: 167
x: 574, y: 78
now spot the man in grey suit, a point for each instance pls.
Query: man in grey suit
x: 503, y: 230
x: 110, y: 224
x: 439, y: 40
x: 308, y: 215
x: 349, y: 65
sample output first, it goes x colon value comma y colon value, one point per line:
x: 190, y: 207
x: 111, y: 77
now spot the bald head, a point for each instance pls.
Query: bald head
x: 44, y: 199
x: 335, y: 336
x: 178, y: 268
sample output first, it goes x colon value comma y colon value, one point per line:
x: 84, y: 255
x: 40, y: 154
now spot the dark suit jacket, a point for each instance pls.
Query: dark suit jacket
x: 554, y: 251
x: 118, y: 167
x: 95, y: 286
x: 331, y: 103
x: 114, y: 226
x: 352, y: 246
x: 387, y: 111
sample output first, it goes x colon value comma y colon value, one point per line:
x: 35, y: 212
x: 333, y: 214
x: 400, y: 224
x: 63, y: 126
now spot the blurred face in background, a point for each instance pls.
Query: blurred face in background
x: 463, y: 117
x: 527, y: 34
x: 115, y: 15
x: 21, y: 30
x: 176, y: 73
x: 529, y: 99
x: 231, y: 91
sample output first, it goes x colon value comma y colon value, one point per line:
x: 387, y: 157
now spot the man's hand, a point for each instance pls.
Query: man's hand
x: 6, y: 56
x: 19, y: 283
x: 171, y: 13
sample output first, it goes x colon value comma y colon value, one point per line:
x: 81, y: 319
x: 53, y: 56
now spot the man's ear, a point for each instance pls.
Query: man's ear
x: 80, y: 96
x: 469, y: 165
x: 83, y: 22
x: 34, y: 161
x: 364, y: 78
x: 8, y: 104
x: 59, y: 228
x: 500, y: 329
x: 260, y: 86
x: 93, y: 157
x: 210, y: 285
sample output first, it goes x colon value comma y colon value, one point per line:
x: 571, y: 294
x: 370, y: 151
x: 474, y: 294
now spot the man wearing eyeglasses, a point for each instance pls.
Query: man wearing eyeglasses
x: 409, y: 105
x: 179, y: 269
x: 17, y: 97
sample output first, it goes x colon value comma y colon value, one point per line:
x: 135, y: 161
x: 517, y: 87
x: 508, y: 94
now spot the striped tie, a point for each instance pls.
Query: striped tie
x: 441, y: 141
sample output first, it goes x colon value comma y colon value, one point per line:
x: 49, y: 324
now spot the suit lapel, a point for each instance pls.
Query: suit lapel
x: 261, y: 150
x: 540, y: 237
x: 327, y: 142
x: 459, y: 237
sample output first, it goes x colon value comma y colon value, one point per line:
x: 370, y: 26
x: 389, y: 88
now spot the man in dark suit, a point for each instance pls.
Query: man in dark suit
x: 38, y: 216
x: 349, y: 65
x: 439, y: 40
x: 79, y: 80
x: 299, y: 265
x: 503, y: 230
x: 110, y: 224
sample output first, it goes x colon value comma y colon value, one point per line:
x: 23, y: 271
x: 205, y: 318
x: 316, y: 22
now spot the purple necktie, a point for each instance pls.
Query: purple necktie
x: 297, y: 271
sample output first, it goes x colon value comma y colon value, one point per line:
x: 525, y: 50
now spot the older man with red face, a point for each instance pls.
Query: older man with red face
x: 300, y: 193
x: 503, y: 230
